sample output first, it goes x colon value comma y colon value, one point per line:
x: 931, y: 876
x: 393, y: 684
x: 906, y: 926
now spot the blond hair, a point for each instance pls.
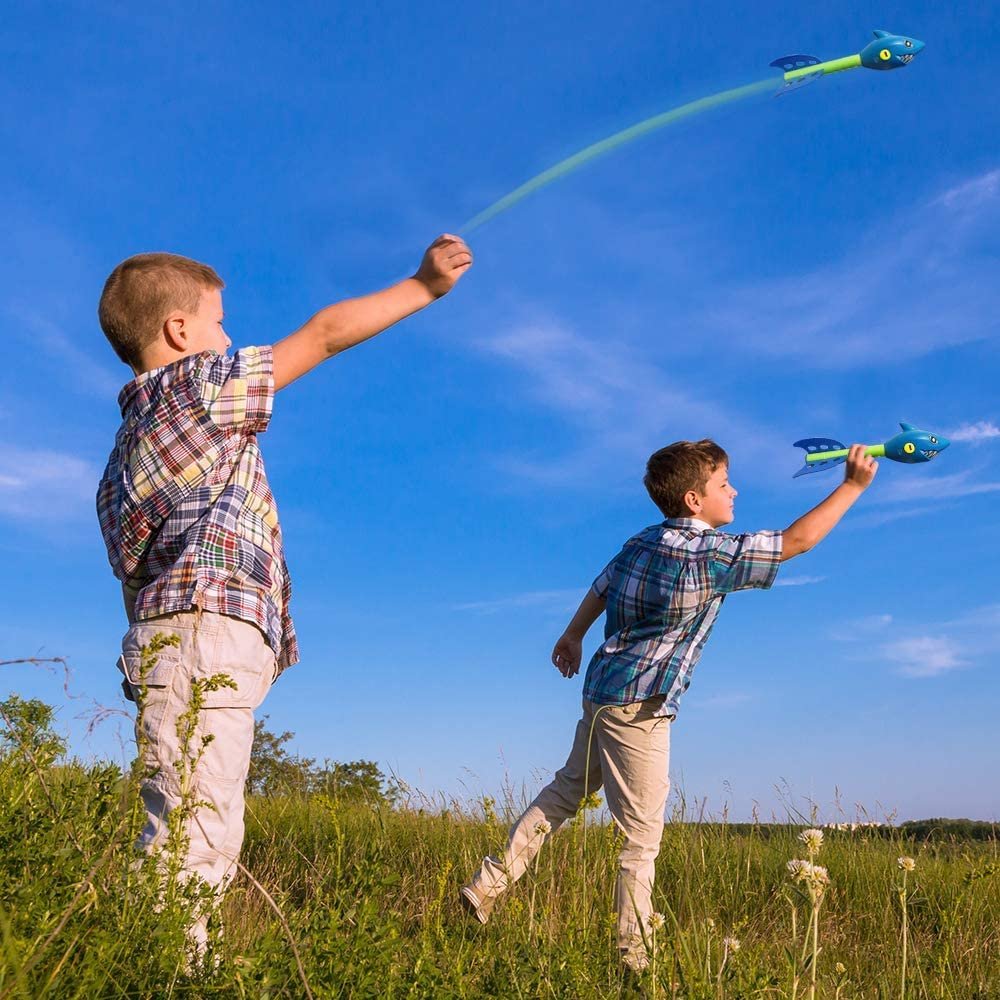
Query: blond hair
x: 142, y: 291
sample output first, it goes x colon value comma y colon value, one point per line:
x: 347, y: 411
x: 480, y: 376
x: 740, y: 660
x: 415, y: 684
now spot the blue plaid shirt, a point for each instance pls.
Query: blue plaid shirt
x: 663, y: 592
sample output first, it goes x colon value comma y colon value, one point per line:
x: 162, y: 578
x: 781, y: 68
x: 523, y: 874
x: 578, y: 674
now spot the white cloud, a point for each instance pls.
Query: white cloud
x: 925, y: 656
x: 919, y: 487
x: 39, y: 485
x: 861, y: 628
x: 972, y: 193
x: 840, y: 316
x: 88, y: 374
x: 624, y: 405
x: 981, y: 430
x: 797, y: 581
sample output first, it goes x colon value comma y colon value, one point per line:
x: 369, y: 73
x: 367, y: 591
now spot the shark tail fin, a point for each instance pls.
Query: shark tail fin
x: 786, y: 63
x: 813, y: 445
x: 799, y: 61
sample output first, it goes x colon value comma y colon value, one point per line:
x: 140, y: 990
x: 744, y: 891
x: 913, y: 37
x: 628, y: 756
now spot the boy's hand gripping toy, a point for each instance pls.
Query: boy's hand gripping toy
x: 912, y: 446
x: 887, y: 51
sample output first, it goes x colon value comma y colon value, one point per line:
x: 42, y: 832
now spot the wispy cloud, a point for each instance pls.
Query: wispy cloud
x: 925, y: 656
x: 39, y: 485
x: 797, y: 581
x: 975, y: 433
x: 838, y: 316
x: 925, y: 487
x: 88, y: 374
x: 624, y: 405
x: 972, y: 193
x: 969, y: 640
x: 552, y: 600
x: 860, y: 628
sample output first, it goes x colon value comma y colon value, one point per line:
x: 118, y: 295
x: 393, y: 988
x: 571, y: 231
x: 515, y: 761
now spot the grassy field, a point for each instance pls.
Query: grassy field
x: 360, y: 901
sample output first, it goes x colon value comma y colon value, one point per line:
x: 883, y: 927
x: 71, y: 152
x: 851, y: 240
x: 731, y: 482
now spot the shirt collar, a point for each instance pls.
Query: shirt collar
x: 688, y: 522
x: 140, y: 385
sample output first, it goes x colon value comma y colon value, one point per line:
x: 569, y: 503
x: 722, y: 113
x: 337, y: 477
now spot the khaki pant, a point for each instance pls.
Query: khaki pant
x: 209, y: 644
x: 629, y: 756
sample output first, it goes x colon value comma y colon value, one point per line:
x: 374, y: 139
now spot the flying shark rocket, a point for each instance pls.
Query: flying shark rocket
x: 911, y: 446
x: 887, y: 51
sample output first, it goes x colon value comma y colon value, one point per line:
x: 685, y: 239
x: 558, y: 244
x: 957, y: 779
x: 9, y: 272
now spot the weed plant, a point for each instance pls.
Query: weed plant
x: 367, y: 893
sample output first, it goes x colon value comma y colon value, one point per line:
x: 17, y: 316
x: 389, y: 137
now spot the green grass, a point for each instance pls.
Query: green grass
x: 369, y: 898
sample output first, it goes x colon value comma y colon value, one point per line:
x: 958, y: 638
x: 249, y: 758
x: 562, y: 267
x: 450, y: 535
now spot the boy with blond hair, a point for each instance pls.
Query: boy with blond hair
x: 191, y: 526
x: 662, y: 594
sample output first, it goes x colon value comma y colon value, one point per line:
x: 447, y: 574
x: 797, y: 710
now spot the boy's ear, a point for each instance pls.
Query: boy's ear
x: 175, y: 330
x: 692, y: 501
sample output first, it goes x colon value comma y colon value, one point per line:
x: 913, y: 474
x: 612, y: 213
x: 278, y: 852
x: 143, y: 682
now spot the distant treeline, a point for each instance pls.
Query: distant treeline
x: 917, y: 829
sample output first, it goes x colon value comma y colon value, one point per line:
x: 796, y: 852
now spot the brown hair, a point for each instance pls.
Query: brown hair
x: 681, y: 466
x: 142, y: 291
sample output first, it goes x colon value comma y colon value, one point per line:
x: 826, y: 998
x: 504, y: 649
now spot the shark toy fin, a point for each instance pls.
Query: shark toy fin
x: 798, y: 83
x: 906, y: 427
x: 786, y: 63
x: 799, y: 61
x: 826, y: 463
x: 813, y: 445
x: 879, y: 33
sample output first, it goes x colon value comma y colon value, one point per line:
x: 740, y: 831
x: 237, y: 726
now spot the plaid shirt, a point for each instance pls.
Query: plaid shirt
x: 663, y: 592
x: 184, y: 504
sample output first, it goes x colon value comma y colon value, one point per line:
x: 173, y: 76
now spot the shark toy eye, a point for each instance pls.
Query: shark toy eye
x: 909, y: 447
x: 908, y: 44
x: 885, y: 55
x: 933, y: 439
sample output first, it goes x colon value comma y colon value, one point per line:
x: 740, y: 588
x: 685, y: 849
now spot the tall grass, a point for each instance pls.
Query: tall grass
x: 369, y: 895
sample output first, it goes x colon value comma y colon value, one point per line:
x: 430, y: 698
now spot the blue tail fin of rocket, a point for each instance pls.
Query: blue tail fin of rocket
x: 798, y: 61
x: 812, y: 445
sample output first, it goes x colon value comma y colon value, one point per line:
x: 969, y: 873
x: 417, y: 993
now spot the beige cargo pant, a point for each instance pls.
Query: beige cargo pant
x: 629, y: 756
x: 209, y: 644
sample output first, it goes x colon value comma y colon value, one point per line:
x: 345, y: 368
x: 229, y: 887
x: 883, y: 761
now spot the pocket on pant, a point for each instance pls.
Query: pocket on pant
x: 237, y: 666
x: 157, y: 671
x: 231, y: 687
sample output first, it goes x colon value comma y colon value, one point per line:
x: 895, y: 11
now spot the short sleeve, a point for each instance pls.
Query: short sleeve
x: 744, y: 562
x: 599, y: 588
x: 238, y: 389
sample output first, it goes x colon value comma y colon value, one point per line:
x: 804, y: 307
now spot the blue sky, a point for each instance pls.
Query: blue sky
x: 820, y: 264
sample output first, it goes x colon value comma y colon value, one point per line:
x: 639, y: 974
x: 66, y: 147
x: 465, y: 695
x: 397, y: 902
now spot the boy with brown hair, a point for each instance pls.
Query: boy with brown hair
x: 662, y: 594
x: 192, y: 529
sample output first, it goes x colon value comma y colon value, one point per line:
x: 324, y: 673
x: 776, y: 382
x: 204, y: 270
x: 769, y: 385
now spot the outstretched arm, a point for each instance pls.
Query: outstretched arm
x: 568, y: 650
x: 344, y: 324
x: 812, y: 528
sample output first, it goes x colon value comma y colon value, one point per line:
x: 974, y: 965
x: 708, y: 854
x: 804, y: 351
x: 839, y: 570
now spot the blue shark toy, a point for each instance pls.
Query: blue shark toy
x: 887, y: 51
x: 911, y: 447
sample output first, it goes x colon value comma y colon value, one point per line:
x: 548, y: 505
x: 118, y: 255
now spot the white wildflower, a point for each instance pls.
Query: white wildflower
x: 813, y: 839
x: 818, y: 875
x: 796, y: 867
x: 657, y: 921
x: 805, y: 871
x: 543, y: 828
x: 906, y: 864
x: 731, y: 944
x: 840, y: 969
